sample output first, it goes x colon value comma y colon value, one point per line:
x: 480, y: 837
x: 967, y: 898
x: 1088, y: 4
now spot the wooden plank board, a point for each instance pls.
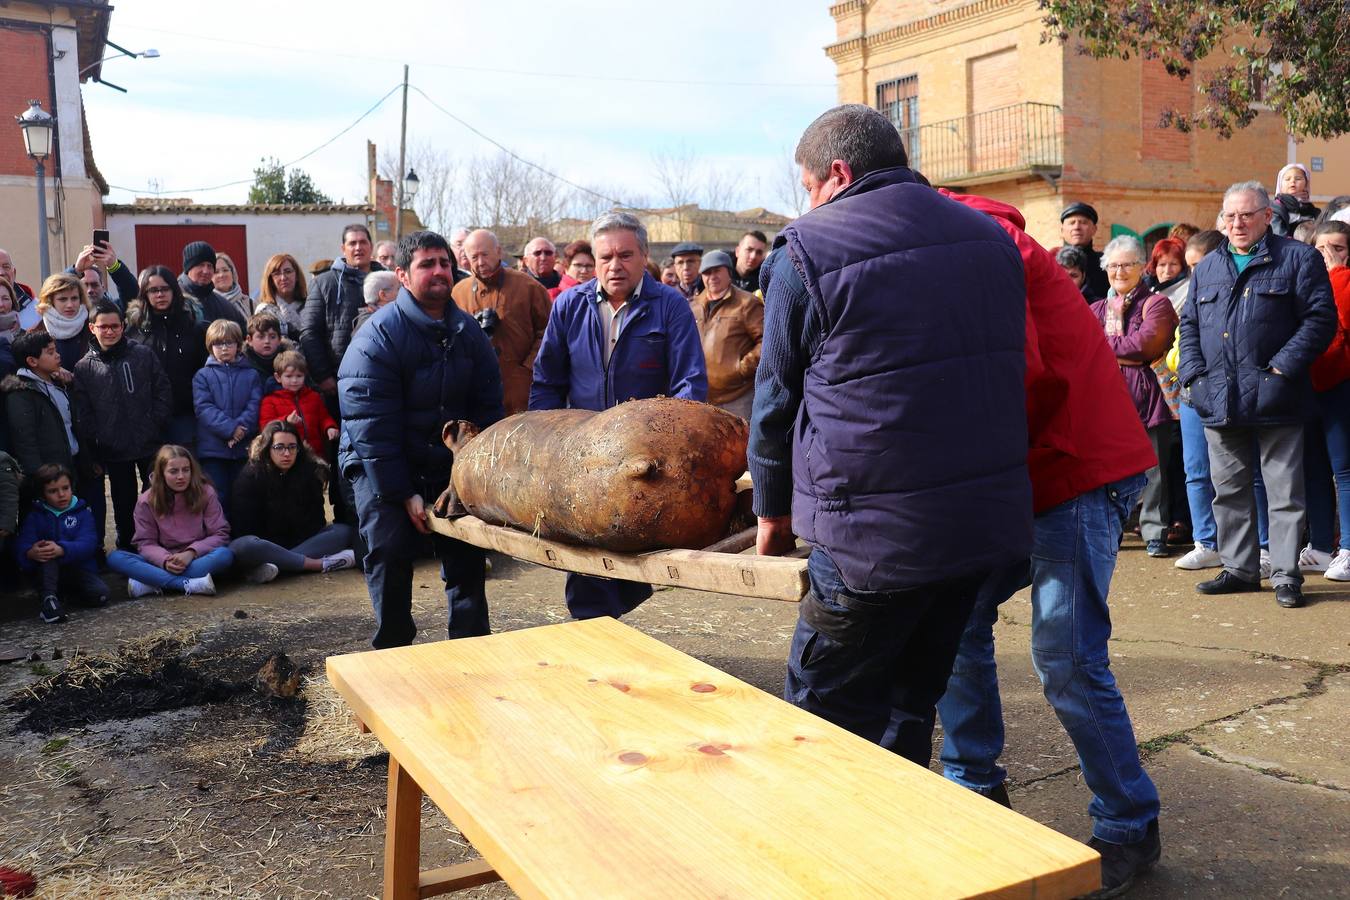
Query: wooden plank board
x: 746, y: 575
x: 587, y: 759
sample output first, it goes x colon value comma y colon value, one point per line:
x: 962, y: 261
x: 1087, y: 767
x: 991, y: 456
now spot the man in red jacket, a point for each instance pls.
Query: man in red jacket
x: 1086, y: 458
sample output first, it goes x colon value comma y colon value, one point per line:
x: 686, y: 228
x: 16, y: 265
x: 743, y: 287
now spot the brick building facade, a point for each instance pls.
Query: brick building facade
x: 44, y: 48
x: 986, y: 106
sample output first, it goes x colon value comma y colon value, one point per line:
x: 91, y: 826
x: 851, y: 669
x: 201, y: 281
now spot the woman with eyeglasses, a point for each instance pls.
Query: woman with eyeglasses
x: 1139, y: 327
x: 283, y: 288
x: 278, y: 515
x: 578, y: 267
x: 161, y: 319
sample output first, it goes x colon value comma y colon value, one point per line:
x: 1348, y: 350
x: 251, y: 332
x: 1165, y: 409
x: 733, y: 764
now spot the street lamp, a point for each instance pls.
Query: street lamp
x: 37, y: 128
x: 407, y: 189
x: 151, y: 53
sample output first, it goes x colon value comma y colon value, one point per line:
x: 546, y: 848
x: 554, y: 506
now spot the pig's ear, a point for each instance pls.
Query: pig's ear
x: 450, y: 433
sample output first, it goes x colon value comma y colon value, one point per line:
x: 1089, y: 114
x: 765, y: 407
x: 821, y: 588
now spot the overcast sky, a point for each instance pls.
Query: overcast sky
x: 561, y: 84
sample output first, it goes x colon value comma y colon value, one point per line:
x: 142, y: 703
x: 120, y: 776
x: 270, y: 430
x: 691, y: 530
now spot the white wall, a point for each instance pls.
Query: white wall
x: 305, y: 235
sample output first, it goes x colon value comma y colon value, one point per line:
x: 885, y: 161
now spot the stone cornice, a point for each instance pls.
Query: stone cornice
x: 848, y: 6
x: 979, y: 8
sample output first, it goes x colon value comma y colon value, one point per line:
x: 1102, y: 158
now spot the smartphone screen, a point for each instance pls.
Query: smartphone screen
x: 100, y: 237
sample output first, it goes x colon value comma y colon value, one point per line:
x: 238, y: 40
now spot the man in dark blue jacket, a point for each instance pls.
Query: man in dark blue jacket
x: 1260, y: 312
x: 890, y: 427
x: 621, y: 336
x: 416, y: 364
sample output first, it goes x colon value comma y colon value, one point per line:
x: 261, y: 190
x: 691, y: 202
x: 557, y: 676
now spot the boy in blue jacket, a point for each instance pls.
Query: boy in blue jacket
x: 226, y: 393
x: 56, y: 544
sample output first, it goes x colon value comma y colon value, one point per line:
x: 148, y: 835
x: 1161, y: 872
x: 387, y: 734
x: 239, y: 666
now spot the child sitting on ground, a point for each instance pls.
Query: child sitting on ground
x: 261, y: 346
x: 278, y: 516
x: 57, y: 542
x: 181, y: 531
x: 226, y: 393
x: 298, y: 403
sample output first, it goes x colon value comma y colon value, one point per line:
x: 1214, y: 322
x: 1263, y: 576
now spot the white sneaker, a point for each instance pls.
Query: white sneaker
x: 339, y: 561
x: 1265, y: 565
x: 264, y: 573
x: 1339, y: 570
x: 141, y: 589
x: 1200, y: 558
x: 1313, y: 562
x: 203, y: 585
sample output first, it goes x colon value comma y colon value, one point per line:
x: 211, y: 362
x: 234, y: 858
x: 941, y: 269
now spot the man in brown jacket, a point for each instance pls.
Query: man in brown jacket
x: 731, y: 325
x: 512, y: 308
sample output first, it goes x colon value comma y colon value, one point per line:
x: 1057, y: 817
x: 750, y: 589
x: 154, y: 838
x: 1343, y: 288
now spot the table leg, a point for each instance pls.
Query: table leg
x: 402, y: 834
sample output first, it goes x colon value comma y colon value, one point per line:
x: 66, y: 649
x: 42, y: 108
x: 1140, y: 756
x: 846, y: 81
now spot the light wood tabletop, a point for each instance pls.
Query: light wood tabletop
x: 587, y: 759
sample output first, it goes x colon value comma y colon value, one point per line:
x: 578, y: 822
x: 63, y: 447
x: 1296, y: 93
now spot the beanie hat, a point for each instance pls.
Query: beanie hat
x: 196, y: 253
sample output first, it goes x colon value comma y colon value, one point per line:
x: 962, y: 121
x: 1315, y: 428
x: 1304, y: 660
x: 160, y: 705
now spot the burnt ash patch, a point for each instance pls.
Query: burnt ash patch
x: 216, y: 668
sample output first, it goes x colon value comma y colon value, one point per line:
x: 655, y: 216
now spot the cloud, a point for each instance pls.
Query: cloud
x: 279, y: 79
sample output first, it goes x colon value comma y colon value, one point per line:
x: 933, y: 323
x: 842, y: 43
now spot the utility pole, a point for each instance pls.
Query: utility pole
x: 402, y: 150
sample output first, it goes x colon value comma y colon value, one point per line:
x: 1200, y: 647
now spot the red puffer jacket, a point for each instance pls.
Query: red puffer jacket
x: 1083, y: 429
x: 1333, y: 366
x: 315, y: 420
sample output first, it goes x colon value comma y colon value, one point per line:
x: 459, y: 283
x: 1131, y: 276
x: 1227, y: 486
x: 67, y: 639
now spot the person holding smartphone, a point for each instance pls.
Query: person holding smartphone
x: 98, y: 258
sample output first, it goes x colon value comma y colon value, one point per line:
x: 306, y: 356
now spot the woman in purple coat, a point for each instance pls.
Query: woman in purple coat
x: 1139, y: 328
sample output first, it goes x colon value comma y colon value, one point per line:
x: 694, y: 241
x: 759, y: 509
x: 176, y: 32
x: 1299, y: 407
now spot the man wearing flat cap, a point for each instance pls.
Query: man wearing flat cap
x: 1078, y: 226
x: 731, y: 329
x: 687, y: 256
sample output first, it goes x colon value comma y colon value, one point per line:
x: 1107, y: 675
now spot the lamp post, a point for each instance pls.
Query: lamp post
x: 411, y: 184
x: 150, y: 53
x: 37, y: 128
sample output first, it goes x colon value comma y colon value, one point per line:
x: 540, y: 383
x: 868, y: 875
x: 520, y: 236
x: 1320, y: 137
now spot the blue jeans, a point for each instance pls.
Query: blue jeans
x: 1071, y: 566
x: 589, y: 597
x: 1326, y: 468
x: 392, y: 545
x: 1200, y: 489
x: 222, y: 473
x: 133, y: 565
x: 876, y: 663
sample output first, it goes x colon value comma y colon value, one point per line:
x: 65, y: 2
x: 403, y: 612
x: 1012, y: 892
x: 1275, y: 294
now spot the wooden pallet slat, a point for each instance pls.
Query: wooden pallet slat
x: 763, y: 577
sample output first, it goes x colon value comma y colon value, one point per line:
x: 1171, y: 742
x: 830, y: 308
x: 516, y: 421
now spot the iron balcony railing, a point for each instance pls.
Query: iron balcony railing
x: 1025, y: 137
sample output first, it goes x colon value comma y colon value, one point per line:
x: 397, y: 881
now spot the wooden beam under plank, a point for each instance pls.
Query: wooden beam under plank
x: 763, y: 577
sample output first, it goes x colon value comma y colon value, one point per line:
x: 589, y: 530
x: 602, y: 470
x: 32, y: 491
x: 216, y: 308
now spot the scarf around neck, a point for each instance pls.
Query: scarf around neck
x: 1118, y: 307
x: 61, y: 328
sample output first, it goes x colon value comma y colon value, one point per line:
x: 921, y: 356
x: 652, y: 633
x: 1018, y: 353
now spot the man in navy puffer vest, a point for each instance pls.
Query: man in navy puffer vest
x: 889, y: 427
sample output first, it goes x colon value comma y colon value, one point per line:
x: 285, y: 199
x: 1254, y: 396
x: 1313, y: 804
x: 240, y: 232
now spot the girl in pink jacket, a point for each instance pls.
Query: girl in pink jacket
x: 181, y: 531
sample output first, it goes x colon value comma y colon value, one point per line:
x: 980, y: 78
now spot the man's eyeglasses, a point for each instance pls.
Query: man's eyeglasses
x: 285, y: 448
x: 1230, y: 218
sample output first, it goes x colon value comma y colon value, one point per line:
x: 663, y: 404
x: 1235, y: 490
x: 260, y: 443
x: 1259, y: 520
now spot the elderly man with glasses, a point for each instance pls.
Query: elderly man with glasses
x: 1260, y: 312
x: 541, y: 258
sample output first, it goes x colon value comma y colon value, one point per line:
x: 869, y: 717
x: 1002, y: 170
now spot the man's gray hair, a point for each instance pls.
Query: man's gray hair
x: 854, y: 133
x: 376, y: 282
x: 1249, y: 187
x: 620, y: 221
x: 545, y: 240
x: 1125, y: 243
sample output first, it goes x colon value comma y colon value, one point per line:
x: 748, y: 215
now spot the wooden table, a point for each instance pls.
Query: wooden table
x: 587, y: 759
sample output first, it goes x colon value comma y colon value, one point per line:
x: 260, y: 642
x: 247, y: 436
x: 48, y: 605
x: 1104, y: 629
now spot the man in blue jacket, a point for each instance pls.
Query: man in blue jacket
x: 621, y: 336
x: 890, y: 427
x: 416, y: 364
x: 1260, y: 312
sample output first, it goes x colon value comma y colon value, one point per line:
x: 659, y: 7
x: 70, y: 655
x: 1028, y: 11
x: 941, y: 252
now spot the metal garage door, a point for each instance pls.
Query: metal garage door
x: 163, y: 245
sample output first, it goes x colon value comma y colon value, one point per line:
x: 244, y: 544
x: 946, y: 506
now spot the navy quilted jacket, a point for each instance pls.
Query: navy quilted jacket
x: 403, y: 377
x: 1236, y: 329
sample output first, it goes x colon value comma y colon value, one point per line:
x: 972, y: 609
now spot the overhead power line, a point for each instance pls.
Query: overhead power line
x: 250, y: 179
x: 492, y: 70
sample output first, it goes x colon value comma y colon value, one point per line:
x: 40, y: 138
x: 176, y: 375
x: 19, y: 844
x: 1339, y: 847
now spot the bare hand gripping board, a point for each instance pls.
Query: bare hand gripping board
x: 643, y: 475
